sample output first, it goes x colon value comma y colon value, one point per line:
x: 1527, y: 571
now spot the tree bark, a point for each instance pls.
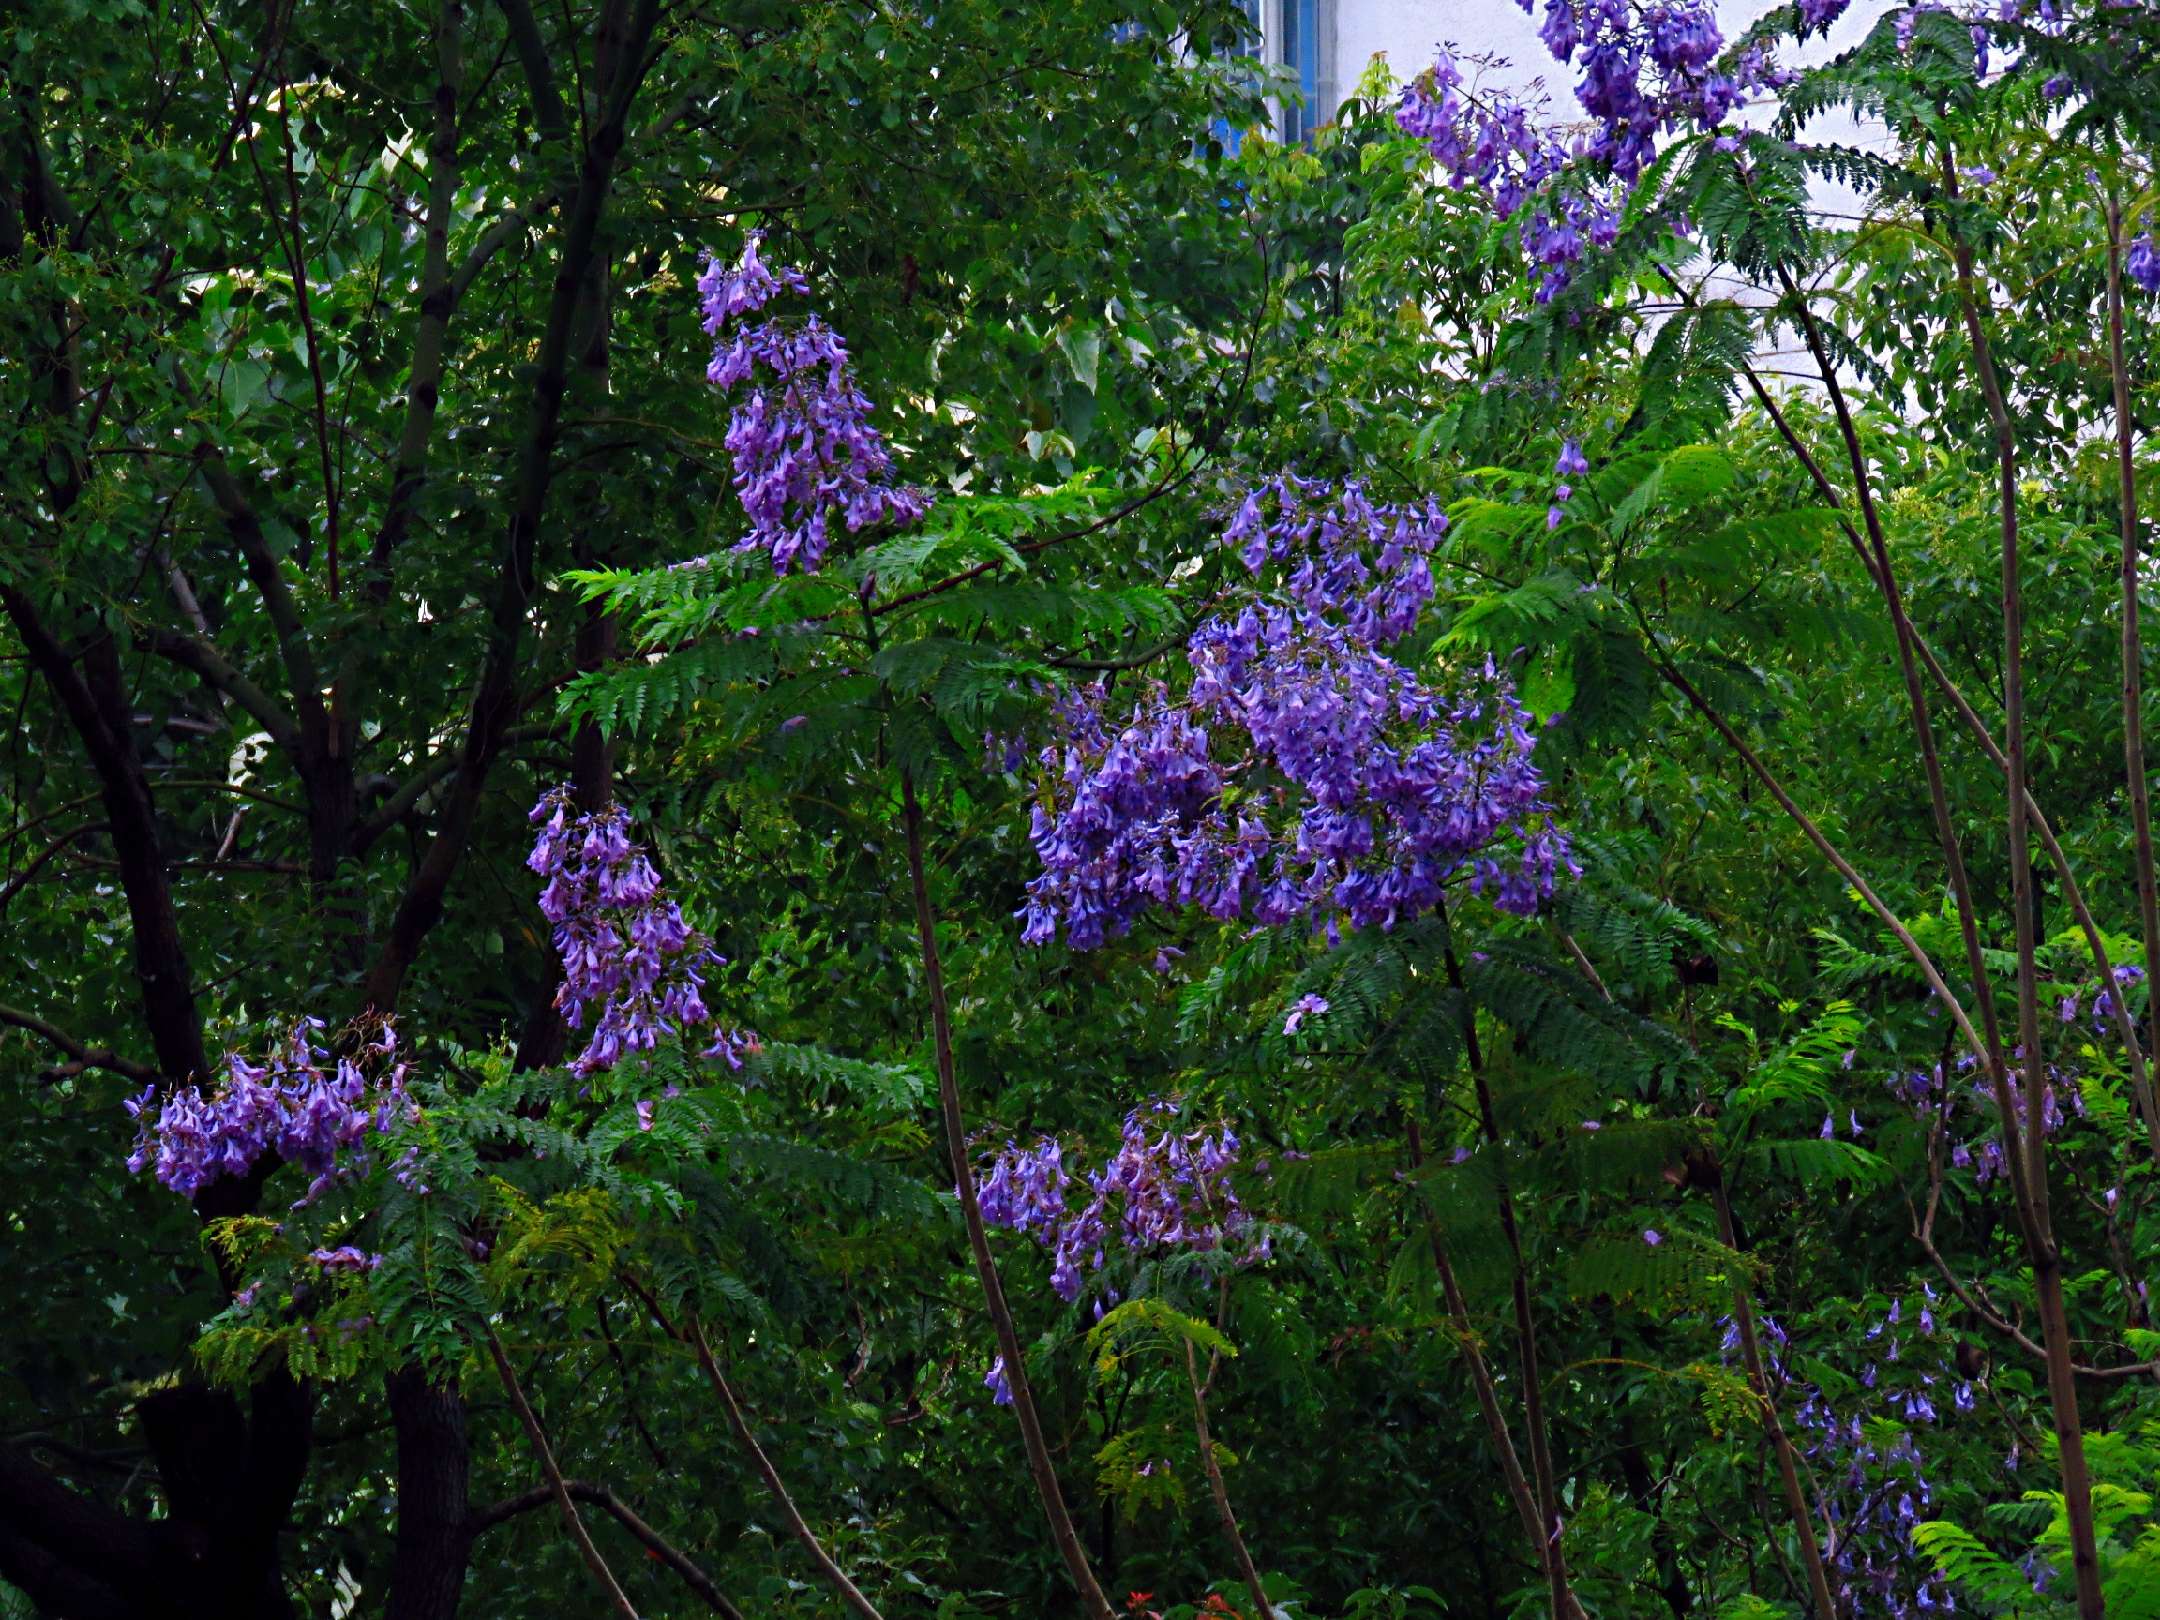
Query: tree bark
x: 494, y: 703
x: 427, y: 1569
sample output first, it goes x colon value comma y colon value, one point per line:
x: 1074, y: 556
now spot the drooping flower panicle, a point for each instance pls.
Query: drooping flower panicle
x: 1305, y: 774
x: 2143, y: 262
x: 805, y: 453
x: 624, y: 945
x: 1165, y: 1187
x: 302, y: 1104
x: 1649, y: 72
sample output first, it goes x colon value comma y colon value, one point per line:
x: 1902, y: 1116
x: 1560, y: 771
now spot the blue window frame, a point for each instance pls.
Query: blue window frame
x: 1301, y: 54
x: 1254, y: 44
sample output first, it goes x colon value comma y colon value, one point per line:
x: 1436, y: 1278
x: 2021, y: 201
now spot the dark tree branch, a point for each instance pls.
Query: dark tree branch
x: 549, y: 115
x: 607, y: 1501
x: 692, y: 1333
x: 510, y: 223
x: 68, y: 1550
x: 1041, y: 1469
x: 82, y: 1055
x: 434, y: 1463
x: 494, y: 702
x: 56, y: 1586
x: 304, y: 307
x: 406, y: 796
x: 245, y: 527
x: 513, y: 222
x: 558, y: 1488
x: 15, y: 884
x: 94, y: 701
x: 197, y: 655
x: 423, y: 382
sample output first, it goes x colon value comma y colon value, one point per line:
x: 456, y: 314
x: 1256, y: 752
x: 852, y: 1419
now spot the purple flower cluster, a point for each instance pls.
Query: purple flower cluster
x: 2125, y: 975
x: 1304, y: 774
x: 1338, y: 552
x: 1487, y: 141
x: 1648, y: 71
x: 1936, y: 1095
x: 1572, y: 464
x: 347, y: 1258
x: 1164, y: 1188
x: 623, y: 944
x: 2143, y: 263
x: 800, y: 434
x: 300, y: 1103
x: 1872, y: 1489
x: 1940, y: 1096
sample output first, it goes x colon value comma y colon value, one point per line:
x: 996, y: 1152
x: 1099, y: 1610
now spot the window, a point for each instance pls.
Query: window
x: 1254, y: 43
x: 1301, y: 52
x: 1298, y: 35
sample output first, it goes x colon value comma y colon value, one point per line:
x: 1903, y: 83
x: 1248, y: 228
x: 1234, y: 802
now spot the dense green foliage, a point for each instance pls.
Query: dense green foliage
x: 356, y: 415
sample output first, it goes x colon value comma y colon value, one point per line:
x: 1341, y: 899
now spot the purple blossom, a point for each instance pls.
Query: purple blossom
x: 622, y: 943
x: 1304, y: 775
x: 2143, y: 263
x: 301, y: 1103
x: 800, y: 433
x: 345, y: 1259
x: 1648, y: 72
x: 1307, y: 1006
x: 1165, y: 1187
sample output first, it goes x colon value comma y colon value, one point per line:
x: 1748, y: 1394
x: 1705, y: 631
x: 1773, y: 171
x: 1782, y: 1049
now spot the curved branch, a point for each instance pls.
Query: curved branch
x: 1042, y: 1470
x: 2073, y: 893
x: 15, y: 884
x: 558, y: 1488
x: 1815, y: 835
x: 81, y: 1055
x: 495, y: 700
x: 197, y: 655
x: 692, y: 1333
x: 94, y: 699
x: 607, y: 1501
x: 423, y: 380
x: 408, y: 793
x: 245, y: 527
x: 549, y: 115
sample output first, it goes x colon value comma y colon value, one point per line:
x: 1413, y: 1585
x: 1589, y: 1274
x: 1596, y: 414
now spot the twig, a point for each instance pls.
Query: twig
x: 601, y: 1497
x: 87, y: 1057
x: 557, y: 1485
x: 1221, y: 1492
x: 692, y: 1333
x: 1040, y: 1468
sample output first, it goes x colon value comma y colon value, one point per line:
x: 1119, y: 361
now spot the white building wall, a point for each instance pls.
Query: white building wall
x: 1409, y: 34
